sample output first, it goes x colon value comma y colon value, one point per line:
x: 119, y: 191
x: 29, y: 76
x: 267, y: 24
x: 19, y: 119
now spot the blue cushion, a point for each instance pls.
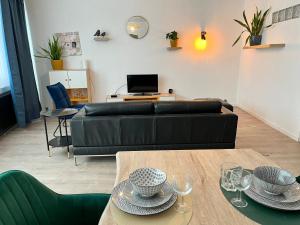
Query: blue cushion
x: 64, y: 92
x: 57, y: 96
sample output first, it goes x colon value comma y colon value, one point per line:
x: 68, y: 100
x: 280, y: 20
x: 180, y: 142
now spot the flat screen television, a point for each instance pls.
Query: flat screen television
x: 142, y: 84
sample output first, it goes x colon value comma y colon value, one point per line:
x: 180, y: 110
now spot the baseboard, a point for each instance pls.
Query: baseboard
x: 271, y: 124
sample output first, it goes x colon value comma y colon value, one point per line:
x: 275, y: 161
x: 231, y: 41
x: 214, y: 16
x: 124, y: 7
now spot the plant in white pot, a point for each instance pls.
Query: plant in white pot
x: 53, y: 53
x: 255, y: 28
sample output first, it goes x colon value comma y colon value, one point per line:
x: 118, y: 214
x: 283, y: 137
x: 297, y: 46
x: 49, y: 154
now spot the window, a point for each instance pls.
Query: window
x: 4, y: 66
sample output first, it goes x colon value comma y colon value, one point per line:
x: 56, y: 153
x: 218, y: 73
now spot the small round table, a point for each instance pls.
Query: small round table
x: 61, y: 140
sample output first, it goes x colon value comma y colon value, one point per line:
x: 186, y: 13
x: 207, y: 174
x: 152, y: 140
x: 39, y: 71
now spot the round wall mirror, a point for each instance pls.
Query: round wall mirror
x: 137, y: 27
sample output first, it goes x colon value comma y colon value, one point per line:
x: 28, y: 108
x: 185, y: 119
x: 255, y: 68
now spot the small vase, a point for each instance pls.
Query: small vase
x: 57, y: 64
x: 174, y: 43
x: 255, y: 40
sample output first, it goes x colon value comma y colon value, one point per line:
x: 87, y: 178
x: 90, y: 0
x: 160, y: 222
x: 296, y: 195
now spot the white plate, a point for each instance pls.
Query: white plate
x: 159, y: 199
x: 292, y: 195
x: 122, y: 203
x: 282, y: 205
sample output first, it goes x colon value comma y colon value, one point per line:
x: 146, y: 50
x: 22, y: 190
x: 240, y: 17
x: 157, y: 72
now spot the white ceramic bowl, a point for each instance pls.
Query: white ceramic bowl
x: 272, y: 179
x: 147, y: 181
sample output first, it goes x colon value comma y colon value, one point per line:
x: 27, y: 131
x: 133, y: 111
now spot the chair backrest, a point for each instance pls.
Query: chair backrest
x: 59, y: 95
x: 24, y: 200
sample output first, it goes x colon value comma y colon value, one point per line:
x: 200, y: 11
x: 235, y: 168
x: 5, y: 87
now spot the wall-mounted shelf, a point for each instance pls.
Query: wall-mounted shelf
x: 174, y: 49
x: 265, y: 46
x: 101, y: 38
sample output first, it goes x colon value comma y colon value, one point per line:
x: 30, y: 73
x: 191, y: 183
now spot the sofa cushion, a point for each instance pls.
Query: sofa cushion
x: 119, y: 108
x: 189, y: 107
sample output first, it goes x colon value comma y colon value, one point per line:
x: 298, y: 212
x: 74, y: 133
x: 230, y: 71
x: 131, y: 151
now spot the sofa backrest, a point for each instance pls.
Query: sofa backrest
x: 119, y: 108
x: 146, y: 108
x: 187, y: 107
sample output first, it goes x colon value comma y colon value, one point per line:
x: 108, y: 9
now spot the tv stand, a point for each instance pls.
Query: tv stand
x: 156, y: 97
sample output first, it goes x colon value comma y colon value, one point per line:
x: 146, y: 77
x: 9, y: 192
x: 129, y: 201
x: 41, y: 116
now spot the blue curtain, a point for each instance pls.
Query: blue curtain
x: 23, y: 86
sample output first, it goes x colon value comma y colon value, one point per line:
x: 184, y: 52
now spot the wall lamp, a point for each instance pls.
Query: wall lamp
x: 201, y: 43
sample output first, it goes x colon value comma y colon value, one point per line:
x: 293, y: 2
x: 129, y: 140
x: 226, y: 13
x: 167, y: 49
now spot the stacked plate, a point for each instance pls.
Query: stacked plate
x: 275, y: 188
x: 146, y: 192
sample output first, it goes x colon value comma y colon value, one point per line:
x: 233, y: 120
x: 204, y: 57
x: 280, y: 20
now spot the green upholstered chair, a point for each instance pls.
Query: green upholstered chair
x: 25, y: 201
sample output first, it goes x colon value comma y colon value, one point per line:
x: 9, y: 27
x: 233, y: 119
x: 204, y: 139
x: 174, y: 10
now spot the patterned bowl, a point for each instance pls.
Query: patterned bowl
x: 273, y: 180
x: 147, y: 181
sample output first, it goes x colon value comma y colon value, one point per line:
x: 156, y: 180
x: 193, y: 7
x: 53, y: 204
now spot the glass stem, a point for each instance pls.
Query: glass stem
x: 240, y: 196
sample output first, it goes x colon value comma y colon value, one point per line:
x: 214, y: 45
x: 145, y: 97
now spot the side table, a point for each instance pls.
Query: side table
x: 61, y: 140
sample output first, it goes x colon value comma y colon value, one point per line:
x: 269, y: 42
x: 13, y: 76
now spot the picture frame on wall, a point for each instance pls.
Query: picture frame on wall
x: 275, y: 17
x: 296, y: 11
x: 289, y: 13
x: 281, y: 15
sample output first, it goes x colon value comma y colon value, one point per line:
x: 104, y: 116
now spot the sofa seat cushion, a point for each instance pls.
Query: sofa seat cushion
x: 119, y: 108
x: 187, y: 107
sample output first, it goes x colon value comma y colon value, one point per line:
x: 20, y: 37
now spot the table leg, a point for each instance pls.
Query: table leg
x: 66, y: 129
x: 46, y: 132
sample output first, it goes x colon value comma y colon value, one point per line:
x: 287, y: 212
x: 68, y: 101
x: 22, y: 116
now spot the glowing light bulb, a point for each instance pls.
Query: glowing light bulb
x: 201, y: 43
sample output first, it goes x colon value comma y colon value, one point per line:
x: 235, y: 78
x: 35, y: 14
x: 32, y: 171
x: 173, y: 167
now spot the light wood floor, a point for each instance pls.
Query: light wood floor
x: 25, y: 149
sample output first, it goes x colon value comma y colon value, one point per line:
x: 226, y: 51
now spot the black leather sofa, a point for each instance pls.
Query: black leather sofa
x: 106, y: 128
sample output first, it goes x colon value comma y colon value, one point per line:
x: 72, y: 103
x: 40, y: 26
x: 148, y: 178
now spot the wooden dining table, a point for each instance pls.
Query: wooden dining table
x: 209, y: 205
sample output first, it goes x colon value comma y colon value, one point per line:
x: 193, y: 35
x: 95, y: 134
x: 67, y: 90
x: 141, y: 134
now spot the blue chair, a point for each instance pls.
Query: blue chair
x: 61, y: 100
x: 60, y: 97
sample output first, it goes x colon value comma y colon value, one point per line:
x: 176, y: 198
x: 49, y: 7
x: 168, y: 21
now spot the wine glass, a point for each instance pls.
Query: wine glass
x: 241, y: 181
x: 183, y: 186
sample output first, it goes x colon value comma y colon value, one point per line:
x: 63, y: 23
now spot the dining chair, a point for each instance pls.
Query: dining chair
x: 26, y: 201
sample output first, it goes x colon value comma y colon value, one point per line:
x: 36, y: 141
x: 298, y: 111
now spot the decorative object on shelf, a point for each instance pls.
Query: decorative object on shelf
x: 201, y: 43
x: 98, y: 36
x: 265, y: 46
x: 173, y: 37
x: 137, y: 27
x: 70, y: 42
x: 53, y: 53
x: 255, y: 28
x: 289, y: 13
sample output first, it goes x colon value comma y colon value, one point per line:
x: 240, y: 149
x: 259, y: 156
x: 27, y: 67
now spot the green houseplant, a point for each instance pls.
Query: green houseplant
x: 173, y: 37
x: 255, y: 28
x: 53, y: 53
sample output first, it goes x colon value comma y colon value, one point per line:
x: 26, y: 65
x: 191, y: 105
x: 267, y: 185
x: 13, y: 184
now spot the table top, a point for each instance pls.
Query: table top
x: 59, y: 112
x: 209, y: 204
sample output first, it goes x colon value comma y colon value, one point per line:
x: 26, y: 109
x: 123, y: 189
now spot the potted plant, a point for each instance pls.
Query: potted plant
x: 255, y: 28
x: 173, y: 37
x: 53, y: 53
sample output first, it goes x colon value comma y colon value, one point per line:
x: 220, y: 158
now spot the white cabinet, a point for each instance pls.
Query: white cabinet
x: 70, y: 78
x: 59, y: 76
x: 75, y: 81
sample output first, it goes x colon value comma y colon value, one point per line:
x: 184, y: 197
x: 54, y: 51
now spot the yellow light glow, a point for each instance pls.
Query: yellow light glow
x: 200, y: 44
x: 132, y: 28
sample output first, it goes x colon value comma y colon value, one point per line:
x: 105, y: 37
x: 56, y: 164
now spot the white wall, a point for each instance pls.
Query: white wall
x: 213, y: 73
x: 269, y: 85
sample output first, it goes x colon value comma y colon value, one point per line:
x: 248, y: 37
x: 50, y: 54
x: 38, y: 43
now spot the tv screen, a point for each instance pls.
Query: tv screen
x: 147, y: 83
